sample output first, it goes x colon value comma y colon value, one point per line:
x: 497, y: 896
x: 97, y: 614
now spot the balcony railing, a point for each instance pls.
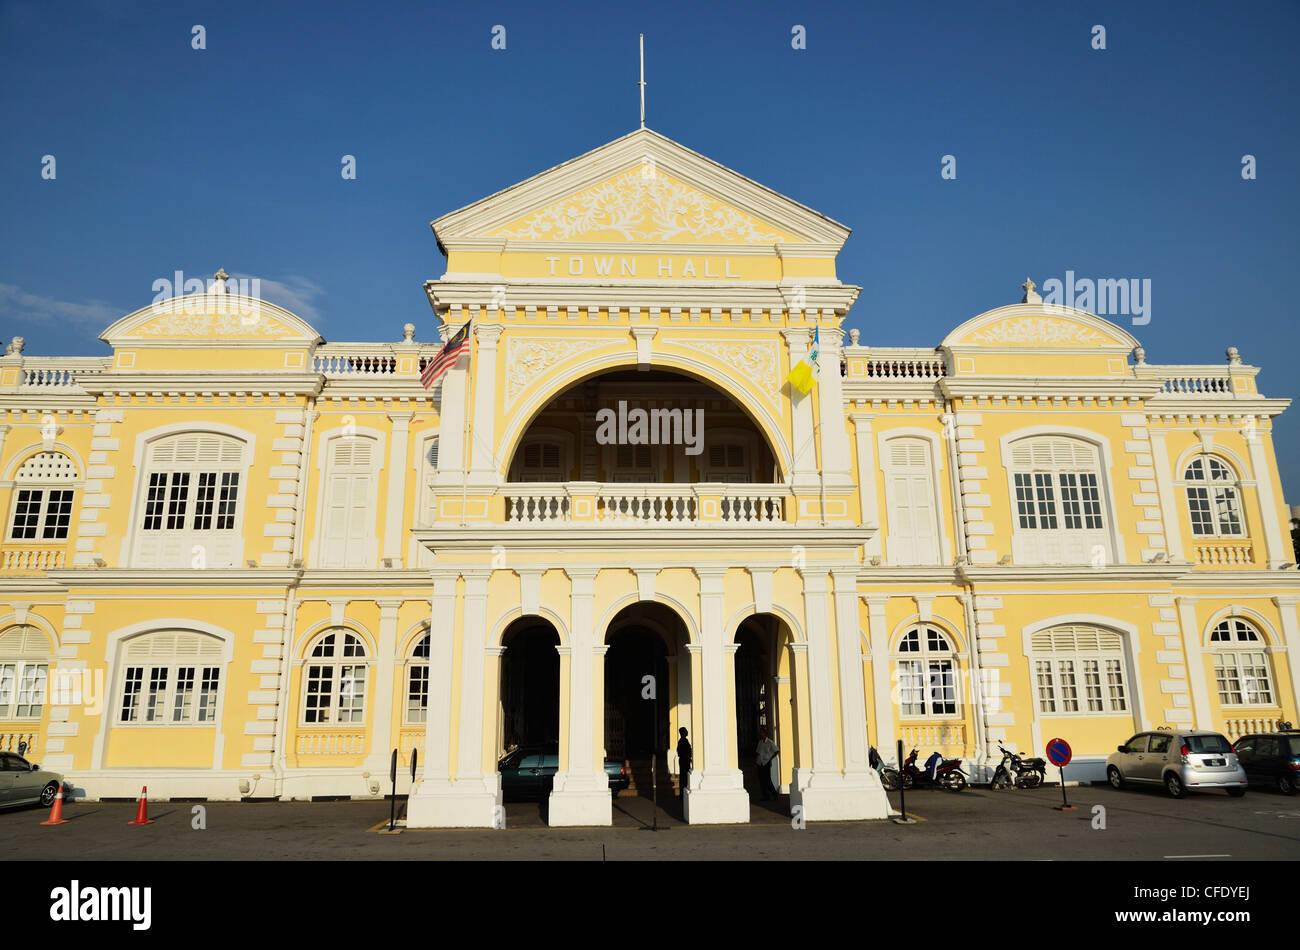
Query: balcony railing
x: 1224, y: 553
x: 947, y: 738
x: 1236, y: 728
x: 12, y: 736
x: 52, y: 373
x: 37, y: 559
x: 651, y: 504
x: 894, y: 364
x: 331, y: 743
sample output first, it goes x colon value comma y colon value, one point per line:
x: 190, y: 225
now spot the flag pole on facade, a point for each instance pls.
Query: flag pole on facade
x: 642, y: 82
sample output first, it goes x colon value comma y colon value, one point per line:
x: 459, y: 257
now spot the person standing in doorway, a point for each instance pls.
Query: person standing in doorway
x: 683, y: 761
x: 763, y: 756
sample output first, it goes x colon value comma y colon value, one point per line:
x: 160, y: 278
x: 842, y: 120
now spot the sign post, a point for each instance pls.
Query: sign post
x: 1059, y: 754
x: 902, y: 790
x: 392, y: 807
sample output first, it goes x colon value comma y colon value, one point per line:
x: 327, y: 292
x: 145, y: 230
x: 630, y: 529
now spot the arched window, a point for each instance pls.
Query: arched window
x: 43, y: 498
x: 24, y: 672
x: 1213, y: 498
x: 349, y: 536
x: 334, y: 685
x: 1059, y: 508
x: 1079, y: 669
x: 910, y: 501
x: 417, y: 682
x: 170, y: 679
x: 927, y: 673
x: 1241, y: 669
x: 192, y: 504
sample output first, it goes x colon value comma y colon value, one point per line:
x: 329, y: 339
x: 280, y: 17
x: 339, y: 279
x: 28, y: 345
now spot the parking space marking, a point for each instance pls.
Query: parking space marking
x: 1172, y: 857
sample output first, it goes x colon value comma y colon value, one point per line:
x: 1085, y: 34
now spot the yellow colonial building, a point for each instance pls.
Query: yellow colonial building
x: 239, y: 561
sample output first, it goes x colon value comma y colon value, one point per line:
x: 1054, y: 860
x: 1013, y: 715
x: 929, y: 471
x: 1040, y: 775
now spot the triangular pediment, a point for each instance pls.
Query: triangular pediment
x: 208, y: 319
x: 1039, y: 325
x: 642, y: 188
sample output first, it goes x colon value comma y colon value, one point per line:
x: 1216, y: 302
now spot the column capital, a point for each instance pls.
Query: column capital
x: 798, y: 647
x: 488, y: 334
x: 694, y: 649
x: 797, y: 336
x: 1286, y: 600
x: 862, y: 421
x: 814, y: 582
x: 390, y: 603
x: 730, y: 648
x: 496, y: 651
x: 400, y: 420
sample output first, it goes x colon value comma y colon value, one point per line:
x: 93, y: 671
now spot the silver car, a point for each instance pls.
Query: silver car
x: 24, y: 783
x: 1179, y: 761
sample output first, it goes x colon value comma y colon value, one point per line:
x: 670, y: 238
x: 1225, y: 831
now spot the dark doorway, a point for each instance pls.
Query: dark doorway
x: 530, y: 684
x: 753, y: 691
x: 631, y: 731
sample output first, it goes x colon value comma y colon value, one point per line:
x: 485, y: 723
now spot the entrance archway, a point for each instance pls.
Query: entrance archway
x: 646, y: 639
x: 530, y: 685
x: 765, y: 699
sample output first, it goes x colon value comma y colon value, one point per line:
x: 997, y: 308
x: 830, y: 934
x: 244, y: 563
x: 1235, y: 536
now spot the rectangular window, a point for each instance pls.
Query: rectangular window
x: 58, y: 512
x: 1225, y: 507
x: 1025, y: 501
x: 1046, y: 686
x: 208, y: 694
x: 1046, y: 500
x: 22, y: 689
x: 1198, y: 503
x: 417, y: 694
x: 177, y: 500
x: 1227, y: 680
x: 1092, y: 685
x: 204, y: 500
x: 183, y: 704
x: 226, y: 502
x: 153, y: 506
x: 319, y: 692
x: 27, y: 514
x: 1069, y: 688
x: 911, y: 691
x: 156, y: 702
x: 943, y: 690
x: 1115, y: 685
x: 352, y: 694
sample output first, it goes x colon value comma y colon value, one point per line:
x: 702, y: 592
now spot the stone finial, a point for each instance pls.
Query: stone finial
x: 218, y: 285
x: 1030, y: 297
x: 1234, y: 358
x: 16, y: 347
x: 1140, y: 356
x: 853, y: 336
x: 408, y: 332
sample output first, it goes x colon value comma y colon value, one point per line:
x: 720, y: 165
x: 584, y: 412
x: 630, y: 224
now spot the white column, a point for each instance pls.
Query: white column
x: 830, y: 402
x: 580, y: 794
x: 1194, y: 655
x: 802, y: 445
x: 396, y: 502
x: 381, y: 749
x: 1279, y: 551
x: 1167, y: 495
x: 470, y: 799
x: 867, y: 498
x: 1286, y: 606
x: 853, y: 709
x: 717, y: 795
x: 483, y: 422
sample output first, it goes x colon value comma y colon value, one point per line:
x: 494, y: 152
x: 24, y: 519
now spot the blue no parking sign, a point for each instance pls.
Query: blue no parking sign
x: 1058, y: 752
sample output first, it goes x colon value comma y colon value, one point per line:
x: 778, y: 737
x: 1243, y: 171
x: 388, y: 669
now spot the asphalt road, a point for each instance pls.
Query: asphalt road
x: 976, y: 824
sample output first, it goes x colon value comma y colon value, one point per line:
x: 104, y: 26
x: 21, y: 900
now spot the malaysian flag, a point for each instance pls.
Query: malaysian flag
x: 446, y: 358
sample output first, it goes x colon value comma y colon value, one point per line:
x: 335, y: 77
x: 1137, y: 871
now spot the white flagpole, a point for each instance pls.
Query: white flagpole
x: 642, y: 82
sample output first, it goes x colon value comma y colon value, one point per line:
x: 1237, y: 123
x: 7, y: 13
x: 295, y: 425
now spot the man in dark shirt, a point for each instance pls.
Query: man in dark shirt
x: 683, y: 761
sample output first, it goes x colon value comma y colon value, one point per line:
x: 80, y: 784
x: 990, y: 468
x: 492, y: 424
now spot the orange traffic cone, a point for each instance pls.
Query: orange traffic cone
x: 56, y: 812
x: 142, y: 812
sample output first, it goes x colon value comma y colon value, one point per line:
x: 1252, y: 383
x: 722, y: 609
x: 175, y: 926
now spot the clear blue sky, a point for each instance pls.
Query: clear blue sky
x: 1119, y: 163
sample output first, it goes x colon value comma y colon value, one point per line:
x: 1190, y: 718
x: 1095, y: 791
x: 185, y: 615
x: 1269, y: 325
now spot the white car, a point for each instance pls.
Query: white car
x: 25, y: 783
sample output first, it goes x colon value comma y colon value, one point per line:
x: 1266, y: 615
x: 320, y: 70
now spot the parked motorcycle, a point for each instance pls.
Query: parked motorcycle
x: 889, y: 777
x: 938, y: 773
x: 1018, y: 771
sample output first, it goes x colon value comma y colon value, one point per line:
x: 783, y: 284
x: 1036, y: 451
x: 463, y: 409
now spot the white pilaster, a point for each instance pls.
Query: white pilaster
x: 483, y: 423
x: 451, y: 431
x: 470, y: 799
x: 830, y: 402
x: 802, y: 445
x: 1286, y: 607
x: 867, y: 498
x: 1279, y: 551
x: 580, y: 794
x: 381, y: 748
x: 717, y: 793
x: 1193, y: 654
x: 1167, y: 495
x: 881, y: 693
x: 396, y: 502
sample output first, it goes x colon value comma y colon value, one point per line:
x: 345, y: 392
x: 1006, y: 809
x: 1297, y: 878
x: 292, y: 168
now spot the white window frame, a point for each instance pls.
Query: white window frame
x: 417, y: 660
x: 1057, y: 658
x: 46, y: 483
x: 171, y: 663
x: 219, y: 547
x: 1246, y: 639
x: 24, y: 669
x: 545, y: 434
x: 335, y: 662
x: 1230, y: 486
x: 929, y: 660
x: 895, y: 545
x: 1062, y: 545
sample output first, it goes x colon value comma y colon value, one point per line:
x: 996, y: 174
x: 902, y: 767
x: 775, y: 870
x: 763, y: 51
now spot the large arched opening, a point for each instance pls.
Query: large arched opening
x: 530, y: 685
x: 766, y: 707
x: 647, y: 694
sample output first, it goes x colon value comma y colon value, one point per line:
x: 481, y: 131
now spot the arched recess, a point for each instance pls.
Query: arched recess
x: 750, y: 402
x: 769, y: 696
x: 672, y: 603
x: 36, y: 448
x: 497, y: 630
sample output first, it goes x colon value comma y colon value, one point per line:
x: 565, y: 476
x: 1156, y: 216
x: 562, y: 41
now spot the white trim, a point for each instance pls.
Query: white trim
x: 497, y: 630
x: 1272, y: 639
x: 35, y: 448
x: 784, y: 614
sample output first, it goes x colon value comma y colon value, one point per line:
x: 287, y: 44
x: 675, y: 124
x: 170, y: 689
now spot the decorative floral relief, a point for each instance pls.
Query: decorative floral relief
x: 1039, y: 330
x: 755, y: 361
x: 213, y: 325
x: 527, y: 359
x: 642, y: 208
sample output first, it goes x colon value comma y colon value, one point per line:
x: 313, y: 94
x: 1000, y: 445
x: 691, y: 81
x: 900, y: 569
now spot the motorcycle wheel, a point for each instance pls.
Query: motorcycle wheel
x: 889, y: 779
x: 953, y: 781
x: 1031, y: 779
